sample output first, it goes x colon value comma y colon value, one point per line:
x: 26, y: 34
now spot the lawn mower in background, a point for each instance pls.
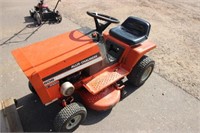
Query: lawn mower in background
x: 41, y: 12
x: 90, y: 64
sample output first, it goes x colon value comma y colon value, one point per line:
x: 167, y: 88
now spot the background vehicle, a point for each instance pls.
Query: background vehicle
x: 89, y: 63
x: 41, y: 12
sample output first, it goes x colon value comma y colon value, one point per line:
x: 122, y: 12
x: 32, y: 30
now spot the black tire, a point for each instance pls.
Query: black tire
x: 73, y: 113
x: 141, y: 71
x: 31, y: 88
x: 58, y: 17
x: 38, y: 18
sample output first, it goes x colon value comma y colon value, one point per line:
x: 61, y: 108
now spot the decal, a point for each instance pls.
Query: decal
x: 49, y: 80
x: 52, y: 84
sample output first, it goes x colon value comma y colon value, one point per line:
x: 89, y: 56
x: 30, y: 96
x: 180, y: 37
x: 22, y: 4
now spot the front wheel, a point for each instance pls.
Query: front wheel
x: 141, y: 71
x: 70, y: 117
x: 31, y: 88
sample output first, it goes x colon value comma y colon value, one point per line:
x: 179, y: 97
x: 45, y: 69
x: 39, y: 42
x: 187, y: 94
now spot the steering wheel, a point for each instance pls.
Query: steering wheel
x: 99, y: 26
x: 103, y: 17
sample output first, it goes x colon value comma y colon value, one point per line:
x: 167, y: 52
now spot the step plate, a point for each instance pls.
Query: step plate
x: 104, y: 80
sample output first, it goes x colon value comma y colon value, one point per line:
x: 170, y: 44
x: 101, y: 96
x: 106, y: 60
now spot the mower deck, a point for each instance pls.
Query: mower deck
x: 104, y: 100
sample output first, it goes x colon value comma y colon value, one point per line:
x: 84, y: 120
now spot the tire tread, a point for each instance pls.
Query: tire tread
x: 135, y: 74
x: 67, y: 112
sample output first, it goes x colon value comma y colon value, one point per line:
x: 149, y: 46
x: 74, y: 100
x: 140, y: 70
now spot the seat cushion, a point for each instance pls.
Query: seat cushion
x: 125, y: 36
x: 133, y: 31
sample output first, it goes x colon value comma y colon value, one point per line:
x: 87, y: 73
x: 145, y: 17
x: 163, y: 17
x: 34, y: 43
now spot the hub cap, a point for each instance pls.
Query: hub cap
x: 146, y: 73
x: 73, y: 122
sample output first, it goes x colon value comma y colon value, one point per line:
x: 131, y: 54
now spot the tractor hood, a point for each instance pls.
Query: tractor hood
x: 47, y: 57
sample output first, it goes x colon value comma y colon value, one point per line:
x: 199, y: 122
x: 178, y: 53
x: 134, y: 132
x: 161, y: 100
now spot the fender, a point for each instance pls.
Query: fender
x: 136, y: 53
x: 131, y: 54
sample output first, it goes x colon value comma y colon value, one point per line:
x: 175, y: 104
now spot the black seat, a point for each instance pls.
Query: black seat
x: 132, y: 31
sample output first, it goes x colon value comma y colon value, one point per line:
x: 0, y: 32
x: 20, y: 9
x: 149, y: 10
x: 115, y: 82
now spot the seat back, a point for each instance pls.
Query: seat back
x: 136, y: 26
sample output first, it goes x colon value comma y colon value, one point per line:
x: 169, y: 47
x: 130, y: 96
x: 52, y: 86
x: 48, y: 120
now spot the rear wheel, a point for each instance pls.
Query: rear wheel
x: 141, y: 71
x: 58, y: 17
x: 38, y: 18
x: 70, y: 117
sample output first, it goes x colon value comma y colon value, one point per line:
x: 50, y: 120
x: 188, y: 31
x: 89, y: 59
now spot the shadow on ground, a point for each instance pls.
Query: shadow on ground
x: 36, y: 117
x: 25, y: 33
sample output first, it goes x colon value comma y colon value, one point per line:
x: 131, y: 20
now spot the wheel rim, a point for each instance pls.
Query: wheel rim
x: 146, y: 74
x: 73, y: 122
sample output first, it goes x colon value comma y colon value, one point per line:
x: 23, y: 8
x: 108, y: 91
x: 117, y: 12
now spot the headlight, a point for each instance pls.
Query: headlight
x: 67, y: 89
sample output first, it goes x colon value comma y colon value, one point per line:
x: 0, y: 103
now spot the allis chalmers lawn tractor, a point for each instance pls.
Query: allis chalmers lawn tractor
x: 41, y: 12
x: 88, y: 63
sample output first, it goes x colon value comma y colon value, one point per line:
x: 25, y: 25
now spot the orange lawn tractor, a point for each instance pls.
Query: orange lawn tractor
x: 88, y: 63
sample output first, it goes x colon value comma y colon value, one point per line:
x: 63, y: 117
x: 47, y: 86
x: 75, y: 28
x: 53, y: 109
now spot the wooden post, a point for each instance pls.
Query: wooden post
x: 9, y: 118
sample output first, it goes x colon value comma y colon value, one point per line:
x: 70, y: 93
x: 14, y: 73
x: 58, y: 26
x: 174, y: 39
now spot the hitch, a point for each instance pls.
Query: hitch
x: 67, y: 101
x: 120, y: 86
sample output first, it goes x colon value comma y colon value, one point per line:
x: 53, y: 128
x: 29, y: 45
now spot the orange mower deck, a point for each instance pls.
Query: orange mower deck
x: 104, y: 100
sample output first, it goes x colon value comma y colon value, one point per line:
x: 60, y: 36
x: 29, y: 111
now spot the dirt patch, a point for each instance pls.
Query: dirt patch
x: 175, y: 29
